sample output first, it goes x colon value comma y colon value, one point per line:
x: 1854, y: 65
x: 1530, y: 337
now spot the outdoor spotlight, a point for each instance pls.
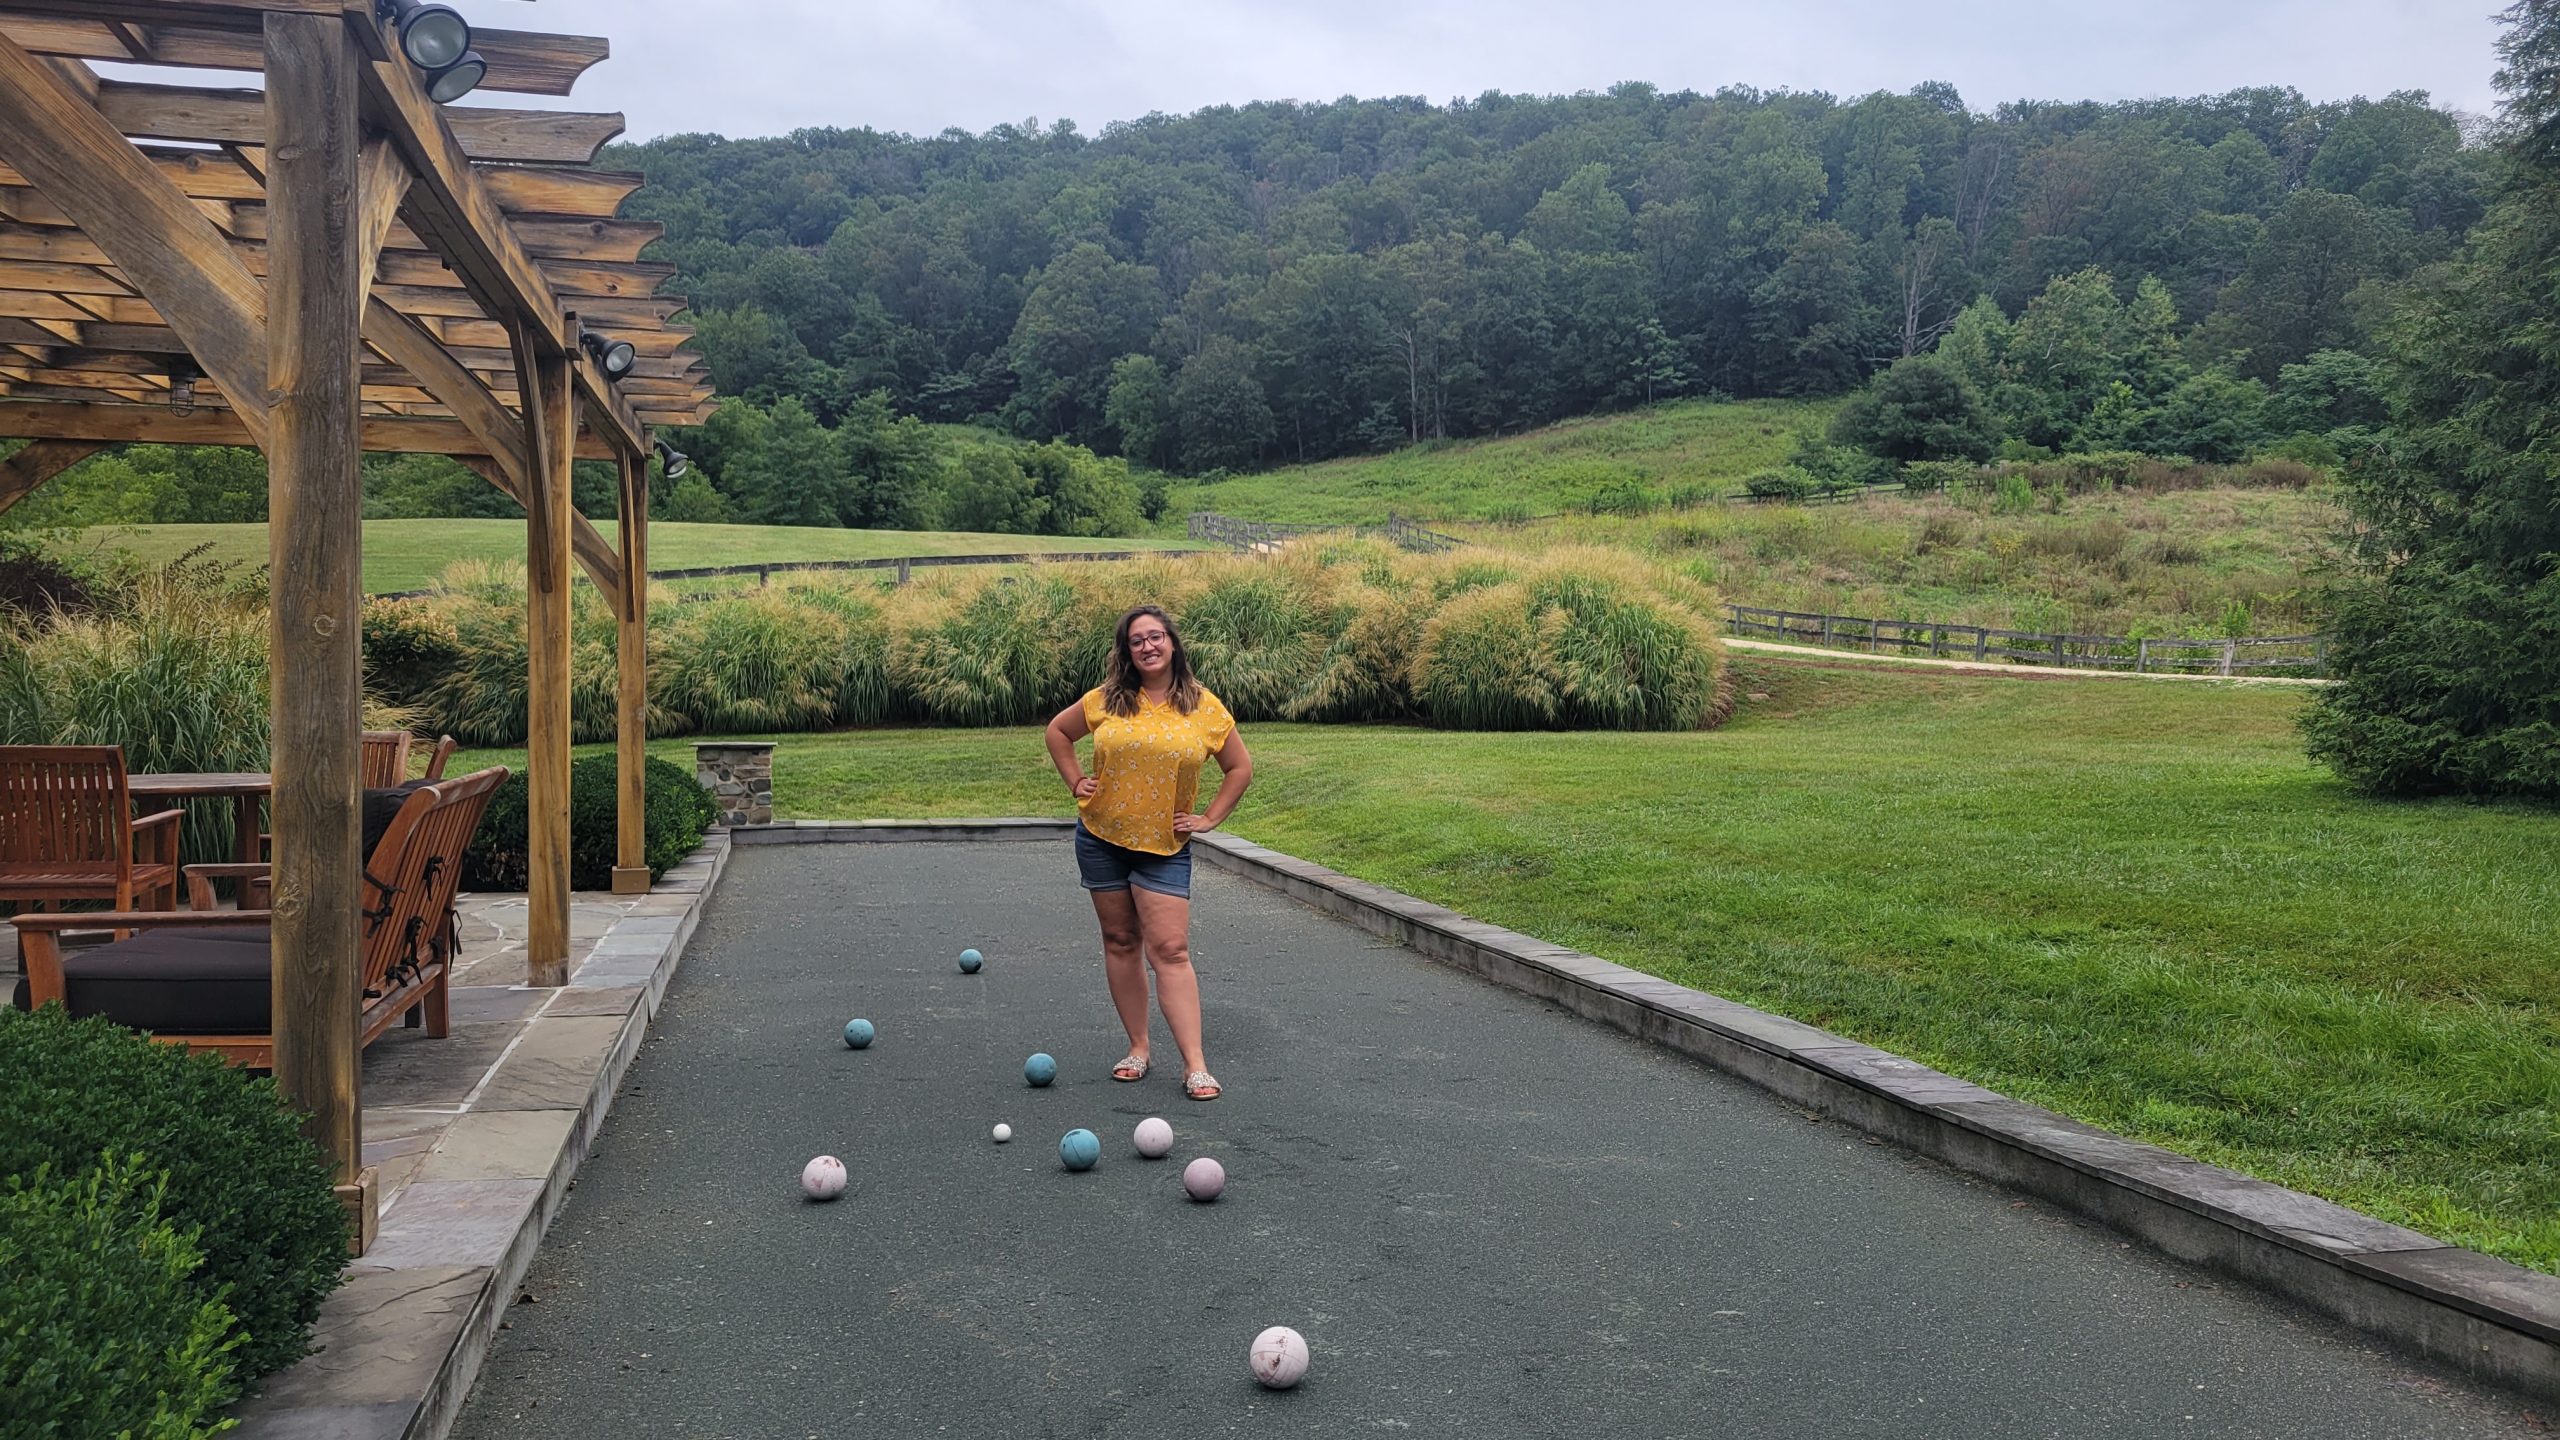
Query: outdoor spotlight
x: 457, y: 79
x: 674, y: 460
x: 432, y: 36
x: 182, y: 389
x: 616, y: 356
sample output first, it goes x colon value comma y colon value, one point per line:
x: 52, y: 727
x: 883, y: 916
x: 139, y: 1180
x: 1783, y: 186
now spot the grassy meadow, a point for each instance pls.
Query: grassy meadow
x: 2183, y: 563
x: 1705, y: 446
x: 409, y: 554
x: 2136, y: 903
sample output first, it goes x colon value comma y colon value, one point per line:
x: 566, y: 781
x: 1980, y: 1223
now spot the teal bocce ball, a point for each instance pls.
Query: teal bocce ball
x: 1079, y: 1149
x: 858, y: 1033
x: 970, y: 960
x: 1040, y: 1069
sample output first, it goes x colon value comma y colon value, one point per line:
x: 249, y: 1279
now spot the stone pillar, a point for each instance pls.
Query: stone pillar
x: 739, y: 775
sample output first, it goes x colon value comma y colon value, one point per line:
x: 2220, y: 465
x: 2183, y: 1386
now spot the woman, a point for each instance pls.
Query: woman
x: 1152, y: 724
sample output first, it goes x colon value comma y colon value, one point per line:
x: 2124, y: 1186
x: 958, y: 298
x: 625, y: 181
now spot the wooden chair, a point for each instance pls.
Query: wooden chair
x: 67, y: 831
x: 204, y: 980
x: 445, y: 746
x: 386, y: 758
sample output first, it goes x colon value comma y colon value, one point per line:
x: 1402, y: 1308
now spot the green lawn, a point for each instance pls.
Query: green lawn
x: 1700, y: 443
x: 408, y: 554
x: 2137, y: 904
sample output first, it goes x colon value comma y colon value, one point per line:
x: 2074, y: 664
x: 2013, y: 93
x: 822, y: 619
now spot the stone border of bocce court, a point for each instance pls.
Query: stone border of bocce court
x: 398, y: 1346
x: 2477, y: 1314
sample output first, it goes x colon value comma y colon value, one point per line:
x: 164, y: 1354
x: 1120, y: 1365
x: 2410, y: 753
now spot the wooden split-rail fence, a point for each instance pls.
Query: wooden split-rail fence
x: 1265, y: 535
x: 2296, y: 655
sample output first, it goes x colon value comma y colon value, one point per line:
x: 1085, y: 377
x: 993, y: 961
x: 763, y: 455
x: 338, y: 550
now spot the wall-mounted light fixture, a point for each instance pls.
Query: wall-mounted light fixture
x: 437, y: 40
x: 675, y: 461
x: 615, y: 356
x: 182, y: 386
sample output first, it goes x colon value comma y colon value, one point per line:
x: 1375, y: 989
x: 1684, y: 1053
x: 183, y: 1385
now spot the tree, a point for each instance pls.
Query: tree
x: 1139, y: 409
x: 2213, y: 416
x: 2065, y: 354
x: 1929, y: 277
x: 1581, y: 216
x: 986, y: 491
x: 1087, y: 310
x: 1080, y: 493
x: 1225, y: 420
x: 793, y: 475
x: 2445, y: 648
x: 1920, y: 409
x: 2292, y: 298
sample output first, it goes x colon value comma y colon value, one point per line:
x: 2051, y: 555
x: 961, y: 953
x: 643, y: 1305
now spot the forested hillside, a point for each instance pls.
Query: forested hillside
x: 1281, y: 282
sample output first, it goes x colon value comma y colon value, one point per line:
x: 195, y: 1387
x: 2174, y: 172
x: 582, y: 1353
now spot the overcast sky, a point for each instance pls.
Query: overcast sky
x: 765, y: 67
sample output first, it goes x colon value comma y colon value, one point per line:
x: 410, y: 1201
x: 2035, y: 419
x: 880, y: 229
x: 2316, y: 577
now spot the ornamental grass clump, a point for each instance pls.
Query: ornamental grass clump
x: 764, y: 660
x: 1253, y: 638
x: 1586, y: 639
x: 483, y: 695
x: 992, y: 655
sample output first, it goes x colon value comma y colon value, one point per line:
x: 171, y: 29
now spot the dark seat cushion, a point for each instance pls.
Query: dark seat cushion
x: 379, y: 807
x: 178, y: 981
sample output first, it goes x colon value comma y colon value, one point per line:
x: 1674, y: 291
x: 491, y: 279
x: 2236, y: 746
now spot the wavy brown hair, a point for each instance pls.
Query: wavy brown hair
x: 1120, y: 684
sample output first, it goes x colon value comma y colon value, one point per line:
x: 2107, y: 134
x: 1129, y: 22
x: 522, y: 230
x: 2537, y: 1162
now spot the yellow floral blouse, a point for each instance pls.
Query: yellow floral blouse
x: 1149, y: 768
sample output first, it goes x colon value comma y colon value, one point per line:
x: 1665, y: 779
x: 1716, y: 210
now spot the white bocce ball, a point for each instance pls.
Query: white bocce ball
x: 1278, y: 1357
x: 823, y: 1178
x: 1003, y: 1133
x: 1154, y: 1137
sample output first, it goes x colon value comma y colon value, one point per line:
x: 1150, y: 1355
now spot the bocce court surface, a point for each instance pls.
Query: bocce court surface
x: 1485, y: 1215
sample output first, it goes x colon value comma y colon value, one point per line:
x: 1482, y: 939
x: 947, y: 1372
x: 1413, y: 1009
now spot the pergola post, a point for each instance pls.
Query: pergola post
x: 552, y: 414
x: 315, y: 547
x: 631, y: 692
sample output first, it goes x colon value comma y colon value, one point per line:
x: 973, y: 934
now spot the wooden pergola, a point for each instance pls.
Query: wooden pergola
x: 331, y: 265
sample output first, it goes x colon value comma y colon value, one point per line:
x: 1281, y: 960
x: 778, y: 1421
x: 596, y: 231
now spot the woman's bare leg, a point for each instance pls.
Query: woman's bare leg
x: 1124, y: 963
x: 1165, y: 922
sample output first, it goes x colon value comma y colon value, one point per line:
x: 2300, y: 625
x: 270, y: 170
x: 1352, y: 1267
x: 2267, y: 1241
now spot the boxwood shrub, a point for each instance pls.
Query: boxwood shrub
x: 679, y: 810
x: 104, y: 1329
x: 241, y: 1175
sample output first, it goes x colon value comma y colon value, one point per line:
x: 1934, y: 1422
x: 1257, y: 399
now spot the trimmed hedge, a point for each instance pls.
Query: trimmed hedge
x: 103, y: 1328
x: 678, y: 812
x: 241, y: 1174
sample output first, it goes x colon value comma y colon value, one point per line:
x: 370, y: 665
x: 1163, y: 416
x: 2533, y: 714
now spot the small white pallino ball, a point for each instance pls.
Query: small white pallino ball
x: 1154, y: 1137
x: 1278, y: 1357
x: 1003, y: 1133
x: 823, y: 1178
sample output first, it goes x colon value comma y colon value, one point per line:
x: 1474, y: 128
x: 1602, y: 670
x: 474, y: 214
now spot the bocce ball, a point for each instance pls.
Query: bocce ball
x: 1204, y: 1178
x: 1040, y: 1069
x: 970, y: 960
x: 858, y: 1033
x: 1278, y: 1357
x: 1154, y: 1137
x: 823, y: 1178
x: 1003, y: 1133
x: 1079, y: 1149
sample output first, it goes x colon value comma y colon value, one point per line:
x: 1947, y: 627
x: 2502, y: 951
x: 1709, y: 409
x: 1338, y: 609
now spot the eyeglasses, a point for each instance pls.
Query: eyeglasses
x: 1149, y: 640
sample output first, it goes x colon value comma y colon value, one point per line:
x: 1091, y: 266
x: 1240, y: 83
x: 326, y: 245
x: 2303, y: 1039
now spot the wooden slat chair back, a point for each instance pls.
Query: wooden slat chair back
x: 445, y: 746
x: 386, y: 758
x: 410, y: 884
x: 67, y: 830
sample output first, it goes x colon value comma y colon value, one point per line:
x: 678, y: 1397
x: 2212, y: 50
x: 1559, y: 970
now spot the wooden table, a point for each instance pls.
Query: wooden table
x: 244, y: 790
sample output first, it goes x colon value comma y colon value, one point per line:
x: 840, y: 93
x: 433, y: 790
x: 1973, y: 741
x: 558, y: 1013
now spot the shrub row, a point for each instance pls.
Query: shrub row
x: 1341, y: 631
x: 678, y: 810
x: 167, y: 1232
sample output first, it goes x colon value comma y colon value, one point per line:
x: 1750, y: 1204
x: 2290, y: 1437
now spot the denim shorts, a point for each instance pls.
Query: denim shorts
x: 1101, y: 865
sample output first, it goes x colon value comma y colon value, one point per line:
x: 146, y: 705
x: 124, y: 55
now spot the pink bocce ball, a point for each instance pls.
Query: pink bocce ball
x: 1154, y: 1137
x: 1205, y: 1178
x: 1278, y: 1357
x: 823, y: 1178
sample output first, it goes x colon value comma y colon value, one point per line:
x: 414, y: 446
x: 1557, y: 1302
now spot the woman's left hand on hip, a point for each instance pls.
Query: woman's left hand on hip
x: 1191, y: 824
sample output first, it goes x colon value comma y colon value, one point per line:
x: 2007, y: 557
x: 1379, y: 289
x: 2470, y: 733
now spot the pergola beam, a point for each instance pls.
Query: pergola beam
x: 315, y: 539
x: 36, y: 463
x: 520, y: 62
x: 158, y: 425
x: 154, y: 233
x: 238, y: 117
